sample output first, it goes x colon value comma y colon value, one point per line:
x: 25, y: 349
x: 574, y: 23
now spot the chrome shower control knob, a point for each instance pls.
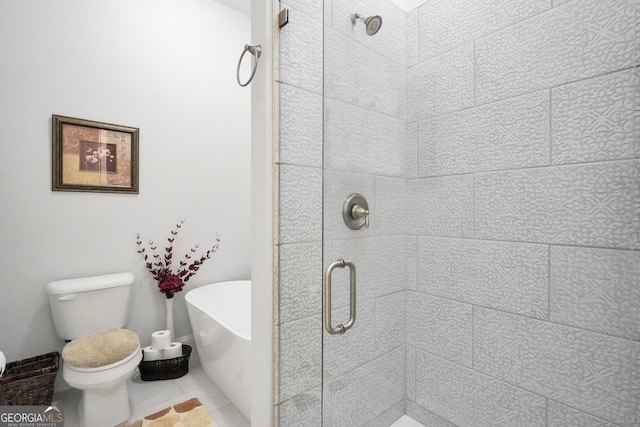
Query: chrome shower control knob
x: 359, y: 212
x: 355, y: 211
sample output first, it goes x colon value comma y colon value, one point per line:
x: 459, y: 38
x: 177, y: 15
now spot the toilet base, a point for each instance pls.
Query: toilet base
x: 98, y: 409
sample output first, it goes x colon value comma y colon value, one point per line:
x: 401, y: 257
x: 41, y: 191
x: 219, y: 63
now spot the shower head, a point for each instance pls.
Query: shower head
x: 372, y: 23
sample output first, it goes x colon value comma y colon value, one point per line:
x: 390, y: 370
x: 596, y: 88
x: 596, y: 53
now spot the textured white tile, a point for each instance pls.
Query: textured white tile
x: 586, y: 370
x: 365, y: 393
x: 441, y: 85
x: 380, y: 267
x: 345, y: 352
x: 594, y: 204
x: 311, y: 8
x: 301, y: 52
x: 427, y: 418
x: 410, y: 377
x: 389, y: 416
x: 509, y: 276
x: 300, y: 356
x: 276, y: 117
x: 337, y: 187
x: 411, y: 151
x: 300, y: 204
x: 300, y: 280
x: 446, y: 25
x: 563, y: 416
x: 300, y: 127
x: 440, y: 326
x: 412, y: 263
x: 413, y: 30
x: 441, y: 206
x: 391, y: 205
x: 302, y: 410
x: 576, y: 40
x: 360, y: 140
x: 360, y: 76
x: 467, y: 398
x: 276, y: 201
x: 328, y: 13
x: 390, y: 322
x: 596, y: 119
x: 509, y: 134
x: 596, y: 289
x: 390, y: 41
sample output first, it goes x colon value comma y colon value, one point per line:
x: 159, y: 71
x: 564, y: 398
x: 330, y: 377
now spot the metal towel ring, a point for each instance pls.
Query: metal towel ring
x: 255, y: 51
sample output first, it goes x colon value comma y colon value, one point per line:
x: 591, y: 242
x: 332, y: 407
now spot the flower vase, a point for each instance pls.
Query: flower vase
x: 169, y: 306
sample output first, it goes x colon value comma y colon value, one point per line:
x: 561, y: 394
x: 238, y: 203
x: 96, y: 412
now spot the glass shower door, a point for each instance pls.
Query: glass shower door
x: 364, y: 168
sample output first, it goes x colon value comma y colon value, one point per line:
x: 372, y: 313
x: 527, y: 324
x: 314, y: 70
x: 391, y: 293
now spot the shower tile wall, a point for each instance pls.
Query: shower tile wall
x: 498, y: 146
x: 527, y: 198
x: 299, y: 240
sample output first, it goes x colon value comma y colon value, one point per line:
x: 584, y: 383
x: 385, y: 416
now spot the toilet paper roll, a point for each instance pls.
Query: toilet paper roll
x: 149, y: 354
x: 174, y: 350
x: 160, y: 340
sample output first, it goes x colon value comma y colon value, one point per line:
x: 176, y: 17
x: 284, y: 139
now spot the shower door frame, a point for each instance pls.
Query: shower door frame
x: 263, y: 219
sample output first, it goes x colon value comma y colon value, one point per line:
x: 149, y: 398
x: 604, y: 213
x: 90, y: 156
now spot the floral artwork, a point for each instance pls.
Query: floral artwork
x: 92, y: 156
x: 97, y: 157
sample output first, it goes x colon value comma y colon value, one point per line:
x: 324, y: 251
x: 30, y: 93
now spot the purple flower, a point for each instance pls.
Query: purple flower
x: 170, y: 282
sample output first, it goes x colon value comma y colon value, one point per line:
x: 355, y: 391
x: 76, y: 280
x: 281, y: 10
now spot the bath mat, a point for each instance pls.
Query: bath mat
x: 186, y: 414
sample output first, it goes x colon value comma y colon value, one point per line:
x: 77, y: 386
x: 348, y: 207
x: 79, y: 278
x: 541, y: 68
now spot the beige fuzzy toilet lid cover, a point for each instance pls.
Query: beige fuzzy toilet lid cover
x: 100, y: 349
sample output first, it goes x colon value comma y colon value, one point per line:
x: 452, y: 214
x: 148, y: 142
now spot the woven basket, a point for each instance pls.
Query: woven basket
x: 30, y: 381
x: 166, y: 369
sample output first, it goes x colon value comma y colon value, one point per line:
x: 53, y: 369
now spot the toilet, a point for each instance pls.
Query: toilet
x: 90, y: 313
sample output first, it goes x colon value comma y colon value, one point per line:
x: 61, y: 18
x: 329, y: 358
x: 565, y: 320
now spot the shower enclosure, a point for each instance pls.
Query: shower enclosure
x: 496, y: 145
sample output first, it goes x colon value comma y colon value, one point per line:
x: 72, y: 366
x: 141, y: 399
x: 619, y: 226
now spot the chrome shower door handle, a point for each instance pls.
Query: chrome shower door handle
x: 340, y: 329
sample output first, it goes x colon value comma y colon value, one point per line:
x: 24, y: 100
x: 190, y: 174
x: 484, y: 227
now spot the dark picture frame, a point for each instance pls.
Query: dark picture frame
x: 94, y: 156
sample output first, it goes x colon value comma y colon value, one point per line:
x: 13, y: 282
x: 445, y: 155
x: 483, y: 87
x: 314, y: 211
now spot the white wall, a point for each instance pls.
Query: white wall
x: 166, y: 67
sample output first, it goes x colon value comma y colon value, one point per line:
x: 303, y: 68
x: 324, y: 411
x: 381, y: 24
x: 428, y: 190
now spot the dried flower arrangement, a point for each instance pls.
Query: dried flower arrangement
x: 171, y: 282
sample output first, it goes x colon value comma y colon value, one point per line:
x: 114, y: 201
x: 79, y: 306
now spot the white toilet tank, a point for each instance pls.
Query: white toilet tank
x: 89, y: 305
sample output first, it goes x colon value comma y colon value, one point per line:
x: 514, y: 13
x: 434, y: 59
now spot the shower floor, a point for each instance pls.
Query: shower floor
x: 406, y: 421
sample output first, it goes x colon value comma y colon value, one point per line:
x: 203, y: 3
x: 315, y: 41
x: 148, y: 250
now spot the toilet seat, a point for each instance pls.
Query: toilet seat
x: 133, y: 354
x: 104, y: 377
x: 104, y: 350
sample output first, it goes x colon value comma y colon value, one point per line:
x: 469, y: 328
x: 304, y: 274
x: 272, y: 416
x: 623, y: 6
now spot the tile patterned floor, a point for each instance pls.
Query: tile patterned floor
x: 148, y: 397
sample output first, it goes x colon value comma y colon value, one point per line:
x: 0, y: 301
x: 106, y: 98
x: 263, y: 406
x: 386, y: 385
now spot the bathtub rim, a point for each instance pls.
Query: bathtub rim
x: 192, y: 295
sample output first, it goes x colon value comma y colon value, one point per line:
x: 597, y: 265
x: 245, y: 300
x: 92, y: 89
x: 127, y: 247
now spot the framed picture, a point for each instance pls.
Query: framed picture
x: 93, y: 156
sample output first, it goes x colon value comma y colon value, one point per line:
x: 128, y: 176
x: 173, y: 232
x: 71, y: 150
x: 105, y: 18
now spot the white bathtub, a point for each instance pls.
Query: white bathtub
x: 220, y: 316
